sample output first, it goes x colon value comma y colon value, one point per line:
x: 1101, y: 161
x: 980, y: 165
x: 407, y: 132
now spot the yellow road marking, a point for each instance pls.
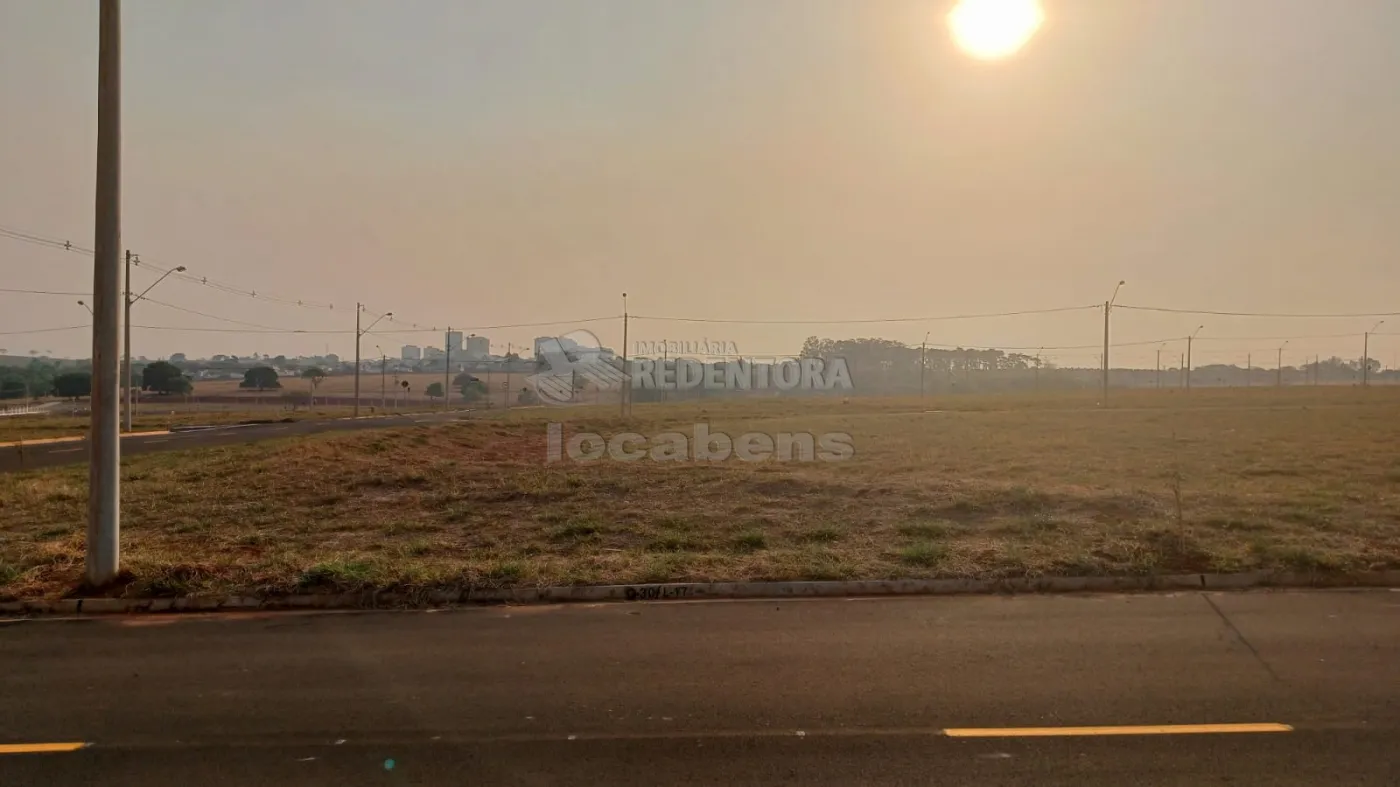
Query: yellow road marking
x: 38, y: 748
x: 1159, y: 729
x: 42, y: 441
x: 73, y: 439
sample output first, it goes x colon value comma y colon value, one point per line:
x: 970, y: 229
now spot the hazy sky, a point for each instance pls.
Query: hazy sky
x: 508, y: 161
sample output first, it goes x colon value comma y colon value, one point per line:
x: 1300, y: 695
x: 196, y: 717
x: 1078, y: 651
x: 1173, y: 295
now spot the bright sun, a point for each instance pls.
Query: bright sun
x: 991, y: 29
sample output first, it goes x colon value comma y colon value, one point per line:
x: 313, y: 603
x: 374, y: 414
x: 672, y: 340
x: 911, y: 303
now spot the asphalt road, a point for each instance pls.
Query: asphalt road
x: 843, y: 692
x: 49, y: 454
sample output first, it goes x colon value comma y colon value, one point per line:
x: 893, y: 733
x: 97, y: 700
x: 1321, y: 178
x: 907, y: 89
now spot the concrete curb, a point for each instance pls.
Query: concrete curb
x: 681, y: 591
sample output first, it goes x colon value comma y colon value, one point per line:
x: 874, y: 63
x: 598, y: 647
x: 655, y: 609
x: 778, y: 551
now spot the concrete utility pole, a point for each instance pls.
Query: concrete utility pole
x: 1187, y: 363
x: 923, y: 352
x: 1279, y: 380
x: 1249, y: 370
x: 1108, y: 307
x: 626, y: 381
x: 447, y: 369
x: 104, y: 462
x: 383, y: 381
x: 1159, y: 365
x: 1366, y: 355
x: 360, y: 307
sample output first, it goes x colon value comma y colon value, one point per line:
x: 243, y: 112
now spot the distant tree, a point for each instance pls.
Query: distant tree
x: 434, y: 390
x: 163, y: 377
x: 12, y: 389
x: 280, y: 361
x: 261, y: 378
x: 177, y: 358
x: 472, y: 389
x: 316, y: 375
x: 71, y: 385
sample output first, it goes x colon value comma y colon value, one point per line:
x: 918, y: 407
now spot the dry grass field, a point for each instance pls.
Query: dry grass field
x: 990, y: 486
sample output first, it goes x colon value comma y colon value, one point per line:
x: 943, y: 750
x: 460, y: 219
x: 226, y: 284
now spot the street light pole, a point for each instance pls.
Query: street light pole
x: 1190, y: 339
x: 1278, y: 383
x: 359, y: 307
x: 104, y: 462
x: 129, y: 301
x: 1159, y: 365
x: 126, y: 345
x: 1366, y: 355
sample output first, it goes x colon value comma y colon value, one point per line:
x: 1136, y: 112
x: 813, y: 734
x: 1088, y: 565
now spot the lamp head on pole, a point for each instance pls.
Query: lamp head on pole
x: 179, y: 269
x: 1112, y: 300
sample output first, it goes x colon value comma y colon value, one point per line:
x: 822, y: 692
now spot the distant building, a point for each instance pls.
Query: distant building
x: 411, y: 352
x: 454, y: 341
x: 478, y: 347
x: 429, y: 353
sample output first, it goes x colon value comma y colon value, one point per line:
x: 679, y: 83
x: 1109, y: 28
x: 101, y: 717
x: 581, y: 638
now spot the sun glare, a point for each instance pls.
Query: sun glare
x: 992, y: 29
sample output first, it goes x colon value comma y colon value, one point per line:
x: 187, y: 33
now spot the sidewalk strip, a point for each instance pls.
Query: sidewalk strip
x: 39, y: 748
x: 1162, y: 729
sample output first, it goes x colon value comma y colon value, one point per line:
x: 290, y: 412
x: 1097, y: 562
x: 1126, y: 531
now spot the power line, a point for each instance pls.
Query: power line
x: 282, y: 331
x: 217, y: 317
x: 500, y: 327
x: 1281, y: 315
x: 1278, y: 338
x: 872, y: 320
x: 54, y: 243
x: 204, y: 281
x: 42, y: 292
x: 45, y: 330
